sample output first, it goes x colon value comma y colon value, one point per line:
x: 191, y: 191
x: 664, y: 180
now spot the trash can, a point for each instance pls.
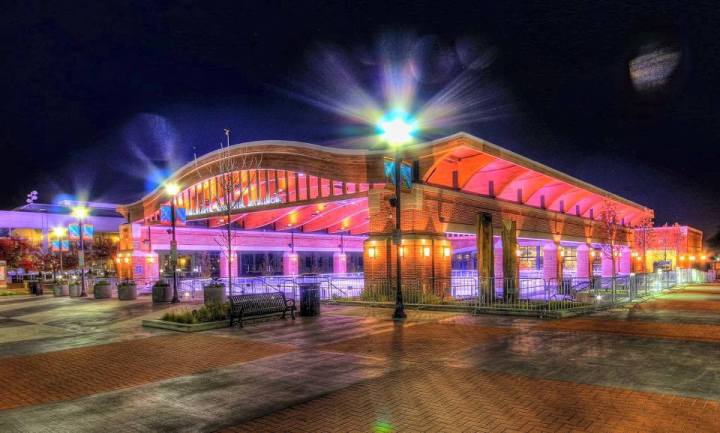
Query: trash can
x: 309, y: 286
x: 35, y: 288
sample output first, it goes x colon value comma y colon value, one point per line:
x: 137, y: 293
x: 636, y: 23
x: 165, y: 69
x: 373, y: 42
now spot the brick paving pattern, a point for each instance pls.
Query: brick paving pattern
x: 73, y: 373
x: 419, y: 341
x: 353, y: 369
x: 683, y: 331
x: 468, y: 400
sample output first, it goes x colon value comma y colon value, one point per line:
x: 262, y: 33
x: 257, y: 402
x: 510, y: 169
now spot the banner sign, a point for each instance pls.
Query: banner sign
x: 74, y: 232
x: 166, y: 218
x: 60, y: 245
x: 405, y: 174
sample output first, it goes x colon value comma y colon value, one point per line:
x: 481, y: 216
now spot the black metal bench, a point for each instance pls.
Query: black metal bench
x: 260, y: 305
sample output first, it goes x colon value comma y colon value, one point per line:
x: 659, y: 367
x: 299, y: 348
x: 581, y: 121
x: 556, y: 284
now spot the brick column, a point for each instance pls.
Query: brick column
x: 583, y: 261
x: 485, y: 255
x: 550, y: 260
x: 224, y: 264
x: 511, y: 270
x: 290, y: 263
x: 607, y: 262
x: 625, y: 261
x: 339, y: 263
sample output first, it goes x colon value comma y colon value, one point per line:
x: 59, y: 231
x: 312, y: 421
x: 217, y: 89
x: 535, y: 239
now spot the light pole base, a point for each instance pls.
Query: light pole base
x: 399, y: 313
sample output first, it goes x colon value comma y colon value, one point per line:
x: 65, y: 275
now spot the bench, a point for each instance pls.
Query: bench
x: 260, y: 305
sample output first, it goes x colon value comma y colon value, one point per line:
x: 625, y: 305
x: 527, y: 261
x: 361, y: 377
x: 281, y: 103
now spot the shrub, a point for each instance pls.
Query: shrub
x: 369, y: 295
x: 207, y: 313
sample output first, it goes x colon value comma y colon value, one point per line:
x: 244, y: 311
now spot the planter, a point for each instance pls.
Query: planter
x: 185, y: 327
x: 61, y: 290
x: 102, y: 290
x: 127, y: 291
x: 47, y: 287
x: 161, y: 292
x: 214, y: 294
x: 74, y: 290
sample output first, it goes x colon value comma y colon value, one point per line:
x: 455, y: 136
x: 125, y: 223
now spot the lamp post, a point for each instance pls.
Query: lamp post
x: 81, y: 212
x: 397, y: 130
x: 172, y: 189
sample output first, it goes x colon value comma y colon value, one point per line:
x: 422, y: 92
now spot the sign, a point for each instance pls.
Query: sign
x: 405, y: 173
x: 74, y: 231
x: 60, y: 245
x: 138, y: 270
x: 81, y: 258
x: 166, y: 217
x: 214, y: 207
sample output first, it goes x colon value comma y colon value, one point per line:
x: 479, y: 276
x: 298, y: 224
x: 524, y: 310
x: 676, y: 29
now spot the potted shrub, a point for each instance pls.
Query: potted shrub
x: 102, y: 289
x: 162, y: 292
x: 214, y: 293
x: 127, y: 291
x: 60, y: 289
x: 74, y: 289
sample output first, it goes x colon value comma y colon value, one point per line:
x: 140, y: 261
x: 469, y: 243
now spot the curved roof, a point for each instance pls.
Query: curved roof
x: 460, y: 161
x: 470, y: 164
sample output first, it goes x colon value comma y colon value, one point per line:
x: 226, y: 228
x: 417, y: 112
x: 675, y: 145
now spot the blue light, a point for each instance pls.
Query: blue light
x: 397, y: 128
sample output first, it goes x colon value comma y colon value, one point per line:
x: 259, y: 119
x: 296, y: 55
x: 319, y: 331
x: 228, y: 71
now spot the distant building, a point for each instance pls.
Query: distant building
x: 670, y: 247
x: 36, y: 223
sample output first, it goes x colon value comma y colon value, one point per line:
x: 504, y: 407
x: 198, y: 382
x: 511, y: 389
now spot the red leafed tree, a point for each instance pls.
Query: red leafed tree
x: 18, y: 253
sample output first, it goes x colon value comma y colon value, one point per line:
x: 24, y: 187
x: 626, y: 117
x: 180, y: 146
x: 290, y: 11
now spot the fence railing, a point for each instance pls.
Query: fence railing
x: 462, y: 290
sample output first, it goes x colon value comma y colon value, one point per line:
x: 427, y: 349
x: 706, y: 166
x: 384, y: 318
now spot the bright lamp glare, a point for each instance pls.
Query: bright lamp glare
x: 59, y: 231
x: 396, y: 129
x: 172, y: 188
x: 80, y: 212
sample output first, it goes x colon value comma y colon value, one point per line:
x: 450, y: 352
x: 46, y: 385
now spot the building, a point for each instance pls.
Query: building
x: 36, y: 223
x: 467, y: 205
x: 670, y: 247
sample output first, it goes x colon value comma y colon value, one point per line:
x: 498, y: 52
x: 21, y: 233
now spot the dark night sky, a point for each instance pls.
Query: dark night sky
x: 76, y: 77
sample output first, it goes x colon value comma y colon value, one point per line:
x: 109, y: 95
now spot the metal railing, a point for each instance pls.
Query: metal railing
x: 462, y: 290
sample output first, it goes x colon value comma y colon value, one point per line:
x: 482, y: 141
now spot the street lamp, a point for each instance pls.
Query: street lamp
x: 59, y: 233
x: 396, y: 130
x: 81, y: 212
x: 172, y: 189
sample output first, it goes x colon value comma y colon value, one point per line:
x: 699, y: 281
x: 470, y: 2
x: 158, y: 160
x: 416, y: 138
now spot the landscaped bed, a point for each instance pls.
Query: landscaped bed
x: 211, y: 316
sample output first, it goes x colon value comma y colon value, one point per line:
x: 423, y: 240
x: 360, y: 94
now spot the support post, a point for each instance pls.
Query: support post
x: 485, y: 257
x: 510, y: 263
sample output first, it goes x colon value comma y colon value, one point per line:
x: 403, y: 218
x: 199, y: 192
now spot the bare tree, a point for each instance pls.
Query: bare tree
x: 610, y: 232
x: 230, y: 169
x: 645, y: 236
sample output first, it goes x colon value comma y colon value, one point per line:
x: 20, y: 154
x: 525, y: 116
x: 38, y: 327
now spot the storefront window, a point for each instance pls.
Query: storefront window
x: 465, y: 261
x: 569, y: 256
x: 354, y: 262
x: 315, y: 262
x: 260, y: 263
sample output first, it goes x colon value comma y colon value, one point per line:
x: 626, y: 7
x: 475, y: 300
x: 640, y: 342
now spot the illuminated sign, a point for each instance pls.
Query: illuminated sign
x: 405, y: 173
x: 63, y: 245
x: 74, y: 231
x: 214, y: 207
x: 165, y: 216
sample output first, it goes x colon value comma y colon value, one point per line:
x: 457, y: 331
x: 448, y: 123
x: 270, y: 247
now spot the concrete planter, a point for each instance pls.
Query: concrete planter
x: 74, y: 290
x: 102, y: 290
x: 61, y: 290
x: 185, y: 327
x: 214, y: 293
x: 127, y: 291
x: 162, y: 292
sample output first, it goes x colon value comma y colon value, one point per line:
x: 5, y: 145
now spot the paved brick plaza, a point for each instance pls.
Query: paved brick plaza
x: 85, y: 365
